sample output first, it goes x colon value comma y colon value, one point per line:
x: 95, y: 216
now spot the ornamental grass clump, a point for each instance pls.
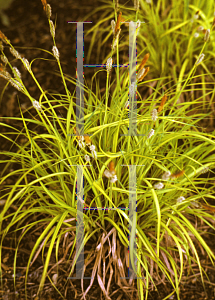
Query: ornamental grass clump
x: 172, y: 155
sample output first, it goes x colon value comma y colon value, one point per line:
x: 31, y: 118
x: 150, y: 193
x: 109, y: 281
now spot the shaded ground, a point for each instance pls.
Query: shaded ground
x: 29, y: 27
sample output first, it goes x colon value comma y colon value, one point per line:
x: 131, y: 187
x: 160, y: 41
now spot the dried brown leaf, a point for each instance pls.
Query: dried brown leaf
x: 102, y: 287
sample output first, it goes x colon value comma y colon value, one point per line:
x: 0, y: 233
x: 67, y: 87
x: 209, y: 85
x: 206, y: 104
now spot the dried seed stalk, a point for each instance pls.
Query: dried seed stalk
x: 207, y: 35
x: 145, y: 58
x: 201, y: 57
x: 177, y: 175
x: 112, y: 168
x: 1, y: 67
x: 4, y: 38
x: 211, y: 208
x: 44, y: 3
x: 140, y: 77
x: 48, y: 11
x: 118, y: 22
x: 78, y: 137
x: 87, y: 140
x: 163, y: 101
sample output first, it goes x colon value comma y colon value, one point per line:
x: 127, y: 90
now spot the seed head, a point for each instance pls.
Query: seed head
x: 26, y: 64
x: 81, y: 144
x: 180, y: 199
x: 207, y: 35
x: 15, y: 83
x: 107, y: 174
x: 196, y: 204
x: 111, y: 173
x: 151, y: 133
x: 36, y: 105
x: 205, y: 170
x: 56, y: 52
x: 15, y: 53
x: 154, y: 115
x: 4, y: 38
x: 195, y: 17
x: 94, y: 154
x: 5, y: 75
x: 112, y: 168
x: 158, y: 186
x: 87, y: 140
x: 52, y: 28
x: 145, y: 58
x: 142, y: 73
x: 92, y: 148
x: 48, y: 11
x: 118, y: 33
x: 109, y: 64
x: 196, y: 35
x: 163, y: 101
x: 201, y: 57
x: 44, y: 3
x: 87, y: 158
x: 116, y: 38
x: 200, y: 28
x: 1, y: 46
x: 16, y: 72
x: 126, y: 104
x: 177, y: 175
x: 166, y: 175
x: 77, y: 133
x: 113, y: 25
x: 136, y: 4
x: 118, y: 22
x: 113, y: 179
x: 4, y: 59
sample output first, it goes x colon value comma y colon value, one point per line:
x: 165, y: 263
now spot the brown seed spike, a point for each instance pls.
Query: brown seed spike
x: 118, y: 22
x: 3, y: 38
x: 112, y: 168
x: 177, y: 175
x: 163, y: 101
x: 44, y: 3
x: 78, y: 137
x: 211, y: 208
x: 1, y: 67
x: 87, y: 140
x: 145, y: 58
x: 144, y: 74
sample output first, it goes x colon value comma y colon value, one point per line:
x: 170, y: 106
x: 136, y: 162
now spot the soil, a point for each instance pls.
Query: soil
x: 29, y: 28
